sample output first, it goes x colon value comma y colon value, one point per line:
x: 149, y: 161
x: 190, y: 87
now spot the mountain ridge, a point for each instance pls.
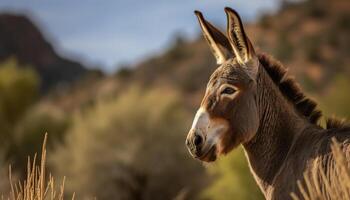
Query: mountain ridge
x: 22, y: 39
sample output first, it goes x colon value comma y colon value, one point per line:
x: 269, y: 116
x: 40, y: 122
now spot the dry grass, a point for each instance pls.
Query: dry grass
x: 35, y: 186
x: 333, y: 183
x: 317, y: 185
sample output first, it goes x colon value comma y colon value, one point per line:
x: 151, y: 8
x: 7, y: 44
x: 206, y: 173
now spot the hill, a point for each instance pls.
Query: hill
x: 311, y: 38
x: 20, y: 38
x: 301, y: 35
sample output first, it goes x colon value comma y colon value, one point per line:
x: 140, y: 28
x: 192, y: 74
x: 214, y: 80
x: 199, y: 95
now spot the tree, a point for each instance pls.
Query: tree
x: 19, y: 88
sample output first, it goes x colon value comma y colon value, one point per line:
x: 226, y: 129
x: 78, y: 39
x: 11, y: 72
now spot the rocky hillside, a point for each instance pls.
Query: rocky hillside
x: 20, y: 38
x: 311, y: 38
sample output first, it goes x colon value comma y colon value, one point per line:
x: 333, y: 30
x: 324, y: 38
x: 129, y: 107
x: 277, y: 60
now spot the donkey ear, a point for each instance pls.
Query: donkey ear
x: 239, y: 41
x: 218, y: 42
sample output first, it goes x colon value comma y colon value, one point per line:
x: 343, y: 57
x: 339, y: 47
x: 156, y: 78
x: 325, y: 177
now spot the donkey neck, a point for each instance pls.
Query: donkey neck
x: 280, y: 125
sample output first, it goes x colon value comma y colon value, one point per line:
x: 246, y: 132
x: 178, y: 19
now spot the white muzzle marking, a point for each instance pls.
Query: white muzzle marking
x: 210, y: 130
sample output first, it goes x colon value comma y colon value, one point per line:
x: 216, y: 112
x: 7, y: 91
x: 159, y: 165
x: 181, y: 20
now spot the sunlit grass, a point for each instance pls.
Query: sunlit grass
x: 335, y: 184
x: 35, y: 186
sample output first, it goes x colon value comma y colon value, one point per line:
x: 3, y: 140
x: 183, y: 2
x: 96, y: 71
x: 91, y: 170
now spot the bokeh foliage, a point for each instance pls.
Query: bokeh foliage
x: 130, y: 147
x: 18, y: 91
x: 232, y: 178
x: 22, y: 124
x: 337, y: 98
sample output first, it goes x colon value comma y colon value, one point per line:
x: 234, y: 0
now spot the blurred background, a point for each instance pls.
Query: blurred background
x: 116, y: 85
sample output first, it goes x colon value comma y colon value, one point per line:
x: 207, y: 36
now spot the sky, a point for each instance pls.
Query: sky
x: 110, y: 33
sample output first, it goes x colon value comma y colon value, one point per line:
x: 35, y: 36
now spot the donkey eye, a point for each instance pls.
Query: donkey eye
x: 228, y: 90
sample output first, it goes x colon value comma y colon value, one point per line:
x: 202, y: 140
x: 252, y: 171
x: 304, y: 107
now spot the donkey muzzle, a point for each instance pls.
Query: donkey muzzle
x: 194, y: 143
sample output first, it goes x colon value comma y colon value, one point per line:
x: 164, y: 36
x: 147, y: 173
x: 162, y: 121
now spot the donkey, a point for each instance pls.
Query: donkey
x: 250, y: 100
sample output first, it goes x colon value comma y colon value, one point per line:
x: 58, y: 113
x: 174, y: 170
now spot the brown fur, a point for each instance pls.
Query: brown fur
x: 269, y: 115
x: 290, y: 88
x: 334, y: 122
x: 288, y: 143
x: 292, y: 91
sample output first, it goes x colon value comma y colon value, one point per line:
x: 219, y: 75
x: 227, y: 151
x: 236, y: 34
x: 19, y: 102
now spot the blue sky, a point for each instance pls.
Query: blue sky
x: 107, y: 33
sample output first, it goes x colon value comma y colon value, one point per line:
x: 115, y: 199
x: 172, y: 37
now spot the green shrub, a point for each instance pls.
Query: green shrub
x: 19, y: 89
x: 129, y: 148
x: 30, y: 130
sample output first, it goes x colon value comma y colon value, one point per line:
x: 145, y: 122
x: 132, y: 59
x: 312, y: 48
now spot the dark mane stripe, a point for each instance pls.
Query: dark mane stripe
x: 334, y: 122
x: 292, y: 91
x: 290, y: 88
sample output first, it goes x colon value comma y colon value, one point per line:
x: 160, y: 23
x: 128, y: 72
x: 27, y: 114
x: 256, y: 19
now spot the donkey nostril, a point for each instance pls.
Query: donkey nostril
x: 197, y: 140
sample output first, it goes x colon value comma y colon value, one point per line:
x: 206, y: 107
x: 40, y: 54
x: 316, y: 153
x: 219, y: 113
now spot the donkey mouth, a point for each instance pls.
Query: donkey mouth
x: 209, y: 155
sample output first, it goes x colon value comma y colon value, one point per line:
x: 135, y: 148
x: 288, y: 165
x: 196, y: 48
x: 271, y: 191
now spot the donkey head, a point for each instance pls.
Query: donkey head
x: 228, y: 114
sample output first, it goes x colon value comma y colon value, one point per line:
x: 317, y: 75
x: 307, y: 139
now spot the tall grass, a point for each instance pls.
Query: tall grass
x: 333, y: 183
x: 35, y: 186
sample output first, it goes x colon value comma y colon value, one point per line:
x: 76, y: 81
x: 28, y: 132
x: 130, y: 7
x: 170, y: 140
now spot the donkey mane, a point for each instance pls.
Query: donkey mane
x: 334, y: 122
x: 292, y: 91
